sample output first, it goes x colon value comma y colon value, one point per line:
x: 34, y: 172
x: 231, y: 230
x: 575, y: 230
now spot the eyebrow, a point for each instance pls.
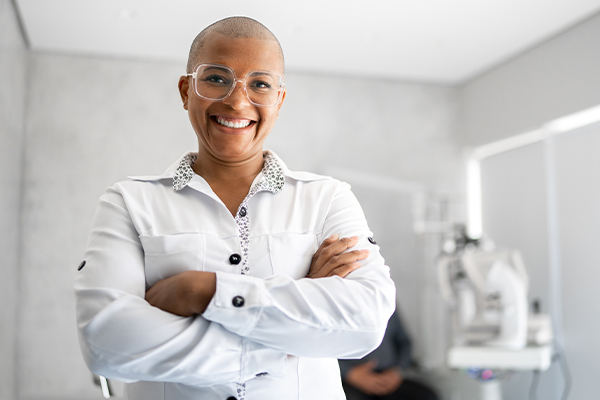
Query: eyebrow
x: 262, y: 72
x: 257, y: 72
x: 217, y: 68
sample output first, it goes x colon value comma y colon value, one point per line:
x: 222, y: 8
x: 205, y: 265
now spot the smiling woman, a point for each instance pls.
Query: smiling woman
x: 229, y: 276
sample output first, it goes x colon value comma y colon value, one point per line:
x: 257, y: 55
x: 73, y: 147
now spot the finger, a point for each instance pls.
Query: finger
x: 328, y: 249
x: 344, y: 270
x: 388, y: 386
x: 383, y: 384
x: 347, y: 258
x: 373, y: 390
x: 333, y: 256
x: 317, y: 261
x: 327, y: 242
x: 339, y: 246
x: 343, y: 264
x: 339, y: 270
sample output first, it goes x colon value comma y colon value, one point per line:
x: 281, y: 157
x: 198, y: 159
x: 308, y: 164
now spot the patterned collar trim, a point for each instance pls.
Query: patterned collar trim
x: 272, y: 180
x: 184, y: 172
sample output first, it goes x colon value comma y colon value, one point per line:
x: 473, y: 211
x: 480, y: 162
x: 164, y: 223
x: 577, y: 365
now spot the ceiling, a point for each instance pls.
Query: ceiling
x: 438, y: 41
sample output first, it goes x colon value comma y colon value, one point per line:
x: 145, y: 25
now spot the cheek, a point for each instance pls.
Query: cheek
x: 268, y: 118
x: 198, y: 113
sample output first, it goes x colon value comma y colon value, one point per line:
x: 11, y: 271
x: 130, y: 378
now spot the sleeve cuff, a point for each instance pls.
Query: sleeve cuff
x: 237, y: 303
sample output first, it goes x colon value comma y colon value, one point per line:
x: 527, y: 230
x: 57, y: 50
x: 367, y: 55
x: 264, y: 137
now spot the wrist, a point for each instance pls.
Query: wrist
x: 202, y: 290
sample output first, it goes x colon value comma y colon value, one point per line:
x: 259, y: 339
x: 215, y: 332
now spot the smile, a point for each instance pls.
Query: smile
x: 233, y: 123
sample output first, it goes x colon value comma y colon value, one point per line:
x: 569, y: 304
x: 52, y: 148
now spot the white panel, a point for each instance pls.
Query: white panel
x: 514, y: 205
x: 578, y: 186
x: 514, y: 210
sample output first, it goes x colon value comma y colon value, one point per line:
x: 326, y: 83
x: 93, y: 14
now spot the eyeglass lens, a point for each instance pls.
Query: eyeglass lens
x: 214, y: 83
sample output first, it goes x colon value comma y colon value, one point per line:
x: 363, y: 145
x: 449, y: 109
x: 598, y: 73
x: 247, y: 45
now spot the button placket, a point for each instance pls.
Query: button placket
x: 243, y: 223
x: 272, y: 181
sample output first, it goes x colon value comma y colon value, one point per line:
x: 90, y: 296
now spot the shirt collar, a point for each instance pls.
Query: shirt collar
x: 184, y: 172
x: 272, y: 179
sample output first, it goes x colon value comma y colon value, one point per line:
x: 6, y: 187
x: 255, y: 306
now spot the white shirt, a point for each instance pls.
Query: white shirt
x: 268, y: 332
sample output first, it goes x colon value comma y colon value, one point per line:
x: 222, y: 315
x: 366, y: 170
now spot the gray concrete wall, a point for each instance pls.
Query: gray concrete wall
x: 556, y: 78
x: 399, y: 130
x: 92, y: 121
x: 13, y: 66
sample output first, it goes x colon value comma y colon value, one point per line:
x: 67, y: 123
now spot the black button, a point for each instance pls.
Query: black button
x: 262, y: 374
x: 243, y: 212
x: 81, y: 266
x: 235, y: 259
x: 231, y: 398
x: 237, y: 301
x: 372, y: 240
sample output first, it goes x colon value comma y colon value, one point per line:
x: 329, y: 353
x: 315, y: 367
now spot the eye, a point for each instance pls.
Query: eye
x: 216, y: 79
x: 260, y: 85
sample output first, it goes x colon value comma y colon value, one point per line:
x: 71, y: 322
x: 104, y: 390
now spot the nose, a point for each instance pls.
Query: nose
x: 237, y: 99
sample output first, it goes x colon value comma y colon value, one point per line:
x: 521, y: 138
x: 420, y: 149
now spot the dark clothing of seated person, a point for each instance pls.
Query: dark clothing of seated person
x: 379, y: 375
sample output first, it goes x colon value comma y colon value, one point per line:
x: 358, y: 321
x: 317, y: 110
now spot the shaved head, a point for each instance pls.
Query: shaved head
x: 234, y: 27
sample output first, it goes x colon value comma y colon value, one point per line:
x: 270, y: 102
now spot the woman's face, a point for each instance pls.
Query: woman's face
x: 208, y: 117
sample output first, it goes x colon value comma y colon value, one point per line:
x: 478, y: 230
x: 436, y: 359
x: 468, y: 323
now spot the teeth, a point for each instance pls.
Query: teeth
x: 230, y: 124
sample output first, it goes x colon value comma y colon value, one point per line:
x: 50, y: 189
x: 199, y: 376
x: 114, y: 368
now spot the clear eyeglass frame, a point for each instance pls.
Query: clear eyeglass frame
x: 235, y: 82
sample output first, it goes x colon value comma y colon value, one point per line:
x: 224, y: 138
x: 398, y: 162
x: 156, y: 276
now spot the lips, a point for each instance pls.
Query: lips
x: 235, y: 123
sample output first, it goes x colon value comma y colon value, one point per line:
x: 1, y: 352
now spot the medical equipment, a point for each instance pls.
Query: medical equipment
x: 104, y: 384
x: 487, y: 290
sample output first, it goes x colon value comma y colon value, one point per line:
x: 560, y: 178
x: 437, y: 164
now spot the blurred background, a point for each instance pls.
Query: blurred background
x: 391, y: 96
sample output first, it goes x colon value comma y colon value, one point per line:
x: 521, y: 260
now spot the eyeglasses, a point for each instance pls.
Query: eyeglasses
x: 216, y: 82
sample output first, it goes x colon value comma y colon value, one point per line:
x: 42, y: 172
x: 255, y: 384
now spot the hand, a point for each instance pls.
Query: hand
x: 184, y: 294
x: 330, y: 259
x: 392, y: 379
x: 374, y: 383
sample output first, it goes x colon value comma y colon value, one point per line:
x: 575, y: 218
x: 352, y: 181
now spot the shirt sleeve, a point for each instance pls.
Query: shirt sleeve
x: 325, y: 317
x: 123, y: 337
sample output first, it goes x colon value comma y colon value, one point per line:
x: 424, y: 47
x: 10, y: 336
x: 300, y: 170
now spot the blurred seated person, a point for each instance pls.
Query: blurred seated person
x: 379, y: 375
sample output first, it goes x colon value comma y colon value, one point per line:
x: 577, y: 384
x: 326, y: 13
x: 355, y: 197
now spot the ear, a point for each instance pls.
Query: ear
x: 281, y: 102
x: 184, y: 86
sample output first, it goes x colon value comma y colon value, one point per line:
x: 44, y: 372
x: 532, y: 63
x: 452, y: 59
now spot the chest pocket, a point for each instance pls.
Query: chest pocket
x: 291, y: 253
x: 165, y: 256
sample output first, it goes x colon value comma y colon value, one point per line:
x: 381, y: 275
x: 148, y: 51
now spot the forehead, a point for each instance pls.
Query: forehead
x: 241, y: 54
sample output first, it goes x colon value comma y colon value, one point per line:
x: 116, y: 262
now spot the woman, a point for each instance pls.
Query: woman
x: 225, y: 277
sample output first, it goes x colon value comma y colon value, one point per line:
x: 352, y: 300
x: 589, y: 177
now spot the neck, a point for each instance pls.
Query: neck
x: 230, y: 180
x: 213, y: 169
